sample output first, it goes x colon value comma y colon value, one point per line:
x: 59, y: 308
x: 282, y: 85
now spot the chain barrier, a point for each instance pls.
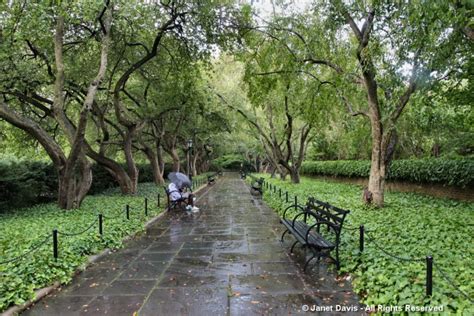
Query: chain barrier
x: 450, y: 282
x: 115, y: 215
x: 372, y: 240
x: 351, y: 228
x: 46, y: 239
x: 33, y: 249
x: 405, y: 259
x: 80, y: 233
x: 107, y: 217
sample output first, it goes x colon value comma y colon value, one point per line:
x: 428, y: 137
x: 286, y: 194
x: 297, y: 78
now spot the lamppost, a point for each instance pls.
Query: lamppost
x: 190, y: 148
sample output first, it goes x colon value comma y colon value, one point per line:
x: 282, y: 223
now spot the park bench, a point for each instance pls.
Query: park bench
x: 257, y: 184
x: 180, y: 203
x: 211, y: 179
x: 316, y: 226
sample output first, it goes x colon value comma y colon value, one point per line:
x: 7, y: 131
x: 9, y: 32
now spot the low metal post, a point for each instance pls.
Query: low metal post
x: 146, y: 206
x: 361, y: 238
x: 279, y: 193
x: 429, y: 275
x: 286, y: 196
x: 274, y: 189
x: 127, y: 208
x: 158, y: 199
x: 101, y: 225
x: 296, y: 201
x: 55, y: 244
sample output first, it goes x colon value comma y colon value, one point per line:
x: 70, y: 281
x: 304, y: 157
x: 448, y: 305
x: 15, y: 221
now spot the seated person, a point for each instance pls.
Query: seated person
x: 178, y: 194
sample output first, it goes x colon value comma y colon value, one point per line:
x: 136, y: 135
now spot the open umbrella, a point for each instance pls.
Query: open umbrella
x: 180, y: 179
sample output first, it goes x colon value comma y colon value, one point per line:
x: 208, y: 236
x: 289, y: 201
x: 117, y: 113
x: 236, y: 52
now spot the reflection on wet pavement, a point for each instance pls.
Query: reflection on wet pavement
x: 225, y: 260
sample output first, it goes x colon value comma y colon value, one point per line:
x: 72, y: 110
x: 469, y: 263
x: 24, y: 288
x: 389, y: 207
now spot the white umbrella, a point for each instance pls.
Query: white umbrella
x: 180, y: 179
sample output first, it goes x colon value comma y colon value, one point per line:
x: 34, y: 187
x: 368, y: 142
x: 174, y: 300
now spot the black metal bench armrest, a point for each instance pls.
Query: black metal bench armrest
x: 301, y: 209
x: 304, y: 212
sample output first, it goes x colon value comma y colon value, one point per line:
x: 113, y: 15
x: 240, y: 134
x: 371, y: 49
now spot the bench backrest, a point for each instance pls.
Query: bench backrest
x: 257, y: 182
x: 327, y: 214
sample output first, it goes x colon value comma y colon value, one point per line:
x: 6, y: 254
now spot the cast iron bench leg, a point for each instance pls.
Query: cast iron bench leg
x: 283, y: 235
x: 293, y: 246
x: 307, y: 262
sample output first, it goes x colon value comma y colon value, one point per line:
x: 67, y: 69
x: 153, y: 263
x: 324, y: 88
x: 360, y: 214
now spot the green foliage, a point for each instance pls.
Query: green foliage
x: 27, y: 227
x: 24, y: 183
x: 410, y: 226
x: 232, y: 162
x: 459, y: 172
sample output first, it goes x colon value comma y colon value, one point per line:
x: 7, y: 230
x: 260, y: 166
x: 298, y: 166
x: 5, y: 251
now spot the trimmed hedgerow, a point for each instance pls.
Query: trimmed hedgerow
x: 458, y: 172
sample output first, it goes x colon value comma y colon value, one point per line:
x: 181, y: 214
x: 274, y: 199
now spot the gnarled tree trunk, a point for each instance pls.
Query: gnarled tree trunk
x: 155, y: 165
x: 132, y: 169
x: 74, y: 182
x: 175, y: 157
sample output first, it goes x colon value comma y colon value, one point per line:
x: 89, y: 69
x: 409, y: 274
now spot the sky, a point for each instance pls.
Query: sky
x: 264, y: 8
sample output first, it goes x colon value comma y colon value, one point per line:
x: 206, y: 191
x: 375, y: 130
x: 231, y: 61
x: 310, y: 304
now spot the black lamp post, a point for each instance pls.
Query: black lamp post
x: 190, y: 148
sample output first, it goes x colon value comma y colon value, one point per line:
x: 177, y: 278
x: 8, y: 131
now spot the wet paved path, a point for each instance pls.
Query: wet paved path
x: 225, y: 260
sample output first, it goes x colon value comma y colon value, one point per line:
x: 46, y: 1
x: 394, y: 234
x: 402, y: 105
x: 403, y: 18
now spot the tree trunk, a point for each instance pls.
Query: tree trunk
x: 295, y: 175
x: 377, y: 165
x: 131, y: 166
x: 115, y: 169
x: 123, y: 179
x: 175, y: 157
x: 161, y: 161
x: 75, y: 181
x: 157, y: 174
x: 193, y: 165
x: 155, y: 166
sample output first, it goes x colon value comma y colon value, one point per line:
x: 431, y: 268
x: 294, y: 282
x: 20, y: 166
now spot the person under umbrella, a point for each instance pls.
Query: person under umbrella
x: 180, y: 181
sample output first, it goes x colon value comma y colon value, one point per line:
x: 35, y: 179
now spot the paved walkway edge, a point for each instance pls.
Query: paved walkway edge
x: 39, y: 294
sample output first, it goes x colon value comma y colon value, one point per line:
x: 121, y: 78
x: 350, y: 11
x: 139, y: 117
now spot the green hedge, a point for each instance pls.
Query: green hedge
x: 27, y: 183
x: 458, y: 172
x: 232, y: 162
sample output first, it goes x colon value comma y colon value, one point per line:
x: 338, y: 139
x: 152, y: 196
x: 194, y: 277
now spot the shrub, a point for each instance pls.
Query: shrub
x: 459, y: 172
x: 232, y: 162
x: 24, y: 183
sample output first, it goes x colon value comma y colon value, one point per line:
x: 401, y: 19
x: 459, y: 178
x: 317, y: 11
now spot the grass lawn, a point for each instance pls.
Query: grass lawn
x: 411, y: 226
x: 23, y: 229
